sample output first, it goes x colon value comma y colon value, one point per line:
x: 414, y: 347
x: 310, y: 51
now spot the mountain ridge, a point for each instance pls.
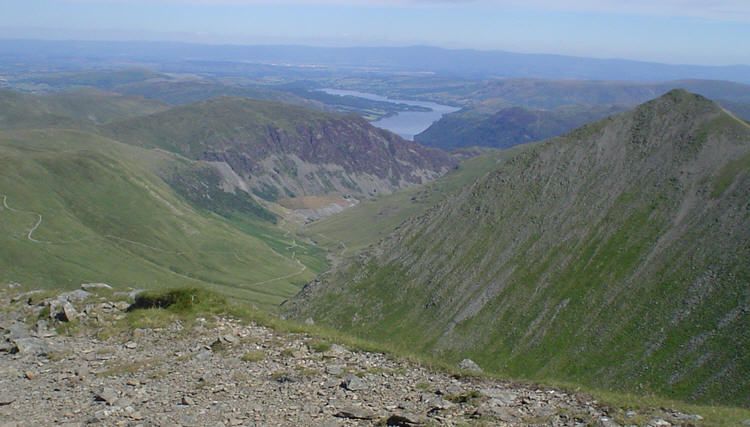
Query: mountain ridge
x: 509, y: 126
x: 550, y: 266
x: 287, y: 151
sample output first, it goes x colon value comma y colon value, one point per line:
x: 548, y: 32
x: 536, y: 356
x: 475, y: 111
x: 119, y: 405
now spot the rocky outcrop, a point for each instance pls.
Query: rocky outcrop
x: 220, y: 371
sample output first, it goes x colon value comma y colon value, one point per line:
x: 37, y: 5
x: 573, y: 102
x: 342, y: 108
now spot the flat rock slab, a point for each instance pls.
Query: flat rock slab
x: 31, y: 346
x: 355, y: 414
x: 406, y: 420
x: 354, y: 383
x: 108, y: 395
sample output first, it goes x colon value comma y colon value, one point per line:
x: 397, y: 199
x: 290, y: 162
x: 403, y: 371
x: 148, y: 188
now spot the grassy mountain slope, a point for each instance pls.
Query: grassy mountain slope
x: 374, y: 219
x: 281, y: 150
x: 78, y: 108
x: 615, y: 256
x: 80, y: 208
x: 509, y: 126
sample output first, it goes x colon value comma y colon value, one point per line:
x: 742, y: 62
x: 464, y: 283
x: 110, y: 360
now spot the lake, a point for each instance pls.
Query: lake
x: 407, y: 123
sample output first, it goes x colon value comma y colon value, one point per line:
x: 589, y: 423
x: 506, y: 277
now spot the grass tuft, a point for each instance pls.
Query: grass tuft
x: 181, y: 301
x: 320, y: 346
x: 253, y: 356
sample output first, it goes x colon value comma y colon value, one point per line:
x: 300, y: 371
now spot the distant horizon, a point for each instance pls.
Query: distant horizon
x: 356, y: 46
x: 675, y: 32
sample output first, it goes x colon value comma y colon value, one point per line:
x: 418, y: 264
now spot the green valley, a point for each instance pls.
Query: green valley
x: 81, y: 208
x: 103, y: 187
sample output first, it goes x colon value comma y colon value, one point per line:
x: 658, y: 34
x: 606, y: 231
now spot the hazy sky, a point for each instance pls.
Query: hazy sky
x: 715, y: 32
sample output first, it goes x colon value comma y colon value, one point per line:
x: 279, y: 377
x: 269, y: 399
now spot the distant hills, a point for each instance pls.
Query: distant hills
x: 509, y: 126
x: 78, y: 108
x: 552, y: 93
x: 461, y: 63
x: 188, y: 88
x: 282, y: 151
x: 614, y: 256
x: 504, y: 113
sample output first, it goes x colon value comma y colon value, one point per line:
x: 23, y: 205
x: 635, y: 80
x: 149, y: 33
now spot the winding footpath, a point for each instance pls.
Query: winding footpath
x: 33, y: 229
x: 293, y: 258
x: 732, y: 115
x: 302, y: 269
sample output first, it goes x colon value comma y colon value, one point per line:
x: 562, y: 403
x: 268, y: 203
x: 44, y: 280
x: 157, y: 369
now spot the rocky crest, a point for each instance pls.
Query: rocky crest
x: 220, y: 371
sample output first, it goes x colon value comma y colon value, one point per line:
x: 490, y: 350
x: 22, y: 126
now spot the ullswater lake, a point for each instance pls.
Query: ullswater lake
x: 407, y: 123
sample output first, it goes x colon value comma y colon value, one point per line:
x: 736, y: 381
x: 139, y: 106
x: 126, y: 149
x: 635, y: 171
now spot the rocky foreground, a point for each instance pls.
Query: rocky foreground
x: 220, y: 371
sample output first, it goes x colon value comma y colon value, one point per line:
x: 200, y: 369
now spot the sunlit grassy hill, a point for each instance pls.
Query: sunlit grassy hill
x: 81, y: 208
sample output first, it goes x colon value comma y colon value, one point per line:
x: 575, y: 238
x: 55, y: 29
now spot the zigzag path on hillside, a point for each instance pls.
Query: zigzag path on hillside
x: 33, y: 229
x: 732, y: 115
x: 29, y: 236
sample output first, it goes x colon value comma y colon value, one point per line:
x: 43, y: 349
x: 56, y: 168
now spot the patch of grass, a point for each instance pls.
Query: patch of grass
x: 253, y: 356
x: 472, y: 397
x: 112, y: 329
x: 44, y: 313
x: 69, y: 328
x: 39, y: 297
x: 320, y: 346
x: 186, y: 301
x: 287, y: 352
x: 57, y: 356
x: 388, y: 371
x: 159, y: 309
x: 306, y: 371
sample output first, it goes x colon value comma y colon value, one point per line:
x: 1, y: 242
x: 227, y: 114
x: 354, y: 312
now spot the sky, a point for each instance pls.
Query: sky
x: 706, y: 32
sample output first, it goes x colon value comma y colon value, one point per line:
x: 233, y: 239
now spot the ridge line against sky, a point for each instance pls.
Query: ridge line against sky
x: 701, y: 32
